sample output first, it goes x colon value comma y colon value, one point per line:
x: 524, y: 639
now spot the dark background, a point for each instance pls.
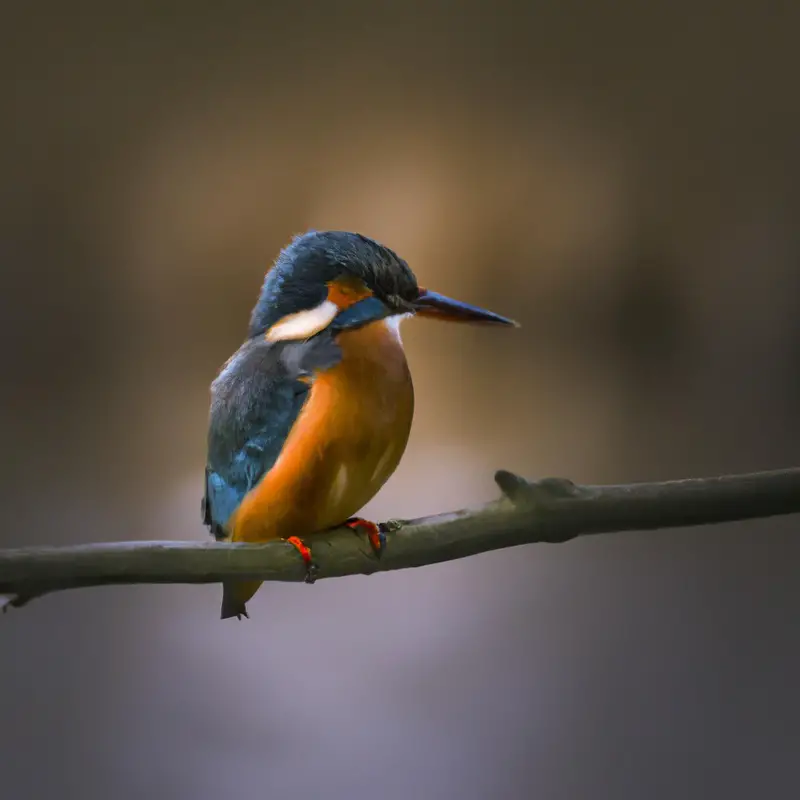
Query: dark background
x: 620, y: 177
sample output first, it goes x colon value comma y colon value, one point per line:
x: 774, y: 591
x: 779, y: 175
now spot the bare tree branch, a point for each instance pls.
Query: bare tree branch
x: 549, y: 510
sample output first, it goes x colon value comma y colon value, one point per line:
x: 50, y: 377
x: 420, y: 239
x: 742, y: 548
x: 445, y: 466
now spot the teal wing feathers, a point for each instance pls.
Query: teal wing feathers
x: 255, y: 401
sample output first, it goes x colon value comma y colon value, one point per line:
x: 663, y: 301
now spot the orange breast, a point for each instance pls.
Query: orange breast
x: 347, y: 441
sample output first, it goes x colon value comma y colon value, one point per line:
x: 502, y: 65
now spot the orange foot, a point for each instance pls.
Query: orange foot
x: 375, y: 533
x: 305, y: 552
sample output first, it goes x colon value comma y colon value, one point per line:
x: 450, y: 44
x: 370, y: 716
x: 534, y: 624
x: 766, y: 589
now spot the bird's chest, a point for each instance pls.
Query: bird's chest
x: 367, y: 401
x: 369, y: 393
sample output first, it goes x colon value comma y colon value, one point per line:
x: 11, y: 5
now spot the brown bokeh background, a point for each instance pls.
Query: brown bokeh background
x: 622, y: 179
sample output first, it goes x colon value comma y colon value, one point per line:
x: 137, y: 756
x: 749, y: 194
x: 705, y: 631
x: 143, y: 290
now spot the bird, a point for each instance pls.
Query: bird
x: 311, y: 415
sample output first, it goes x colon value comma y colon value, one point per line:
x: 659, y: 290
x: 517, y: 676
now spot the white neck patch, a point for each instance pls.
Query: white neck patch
x: 303, y: 324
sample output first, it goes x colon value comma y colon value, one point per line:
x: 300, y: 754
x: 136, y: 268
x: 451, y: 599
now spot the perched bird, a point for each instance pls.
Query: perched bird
x: 312, y: 413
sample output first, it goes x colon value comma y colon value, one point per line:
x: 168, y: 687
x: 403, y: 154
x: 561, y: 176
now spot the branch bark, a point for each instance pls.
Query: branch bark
x: 549, y: 510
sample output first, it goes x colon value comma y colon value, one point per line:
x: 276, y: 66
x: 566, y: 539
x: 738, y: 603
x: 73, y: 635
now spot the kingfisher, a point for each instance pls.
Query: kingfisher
x: 311, y: 415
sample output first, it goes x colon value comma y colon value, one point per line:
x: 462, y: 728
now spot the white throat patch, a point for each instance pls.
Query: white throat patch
x: 393, y: 324
x: 303, y: 324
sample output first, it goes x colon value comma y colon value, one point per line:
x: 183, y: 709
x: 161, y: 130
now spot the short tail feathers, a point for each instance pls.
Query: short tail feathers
x: 232, y: 606
x: 235, y: 595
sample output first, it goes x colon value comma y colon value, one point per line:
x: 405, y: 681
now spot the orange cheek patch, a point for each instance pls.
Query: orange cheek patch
x: 345, y: 292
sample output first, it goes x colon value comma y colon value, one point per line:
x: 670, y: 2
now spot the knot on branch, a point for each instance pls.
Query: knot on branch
x: 539, y: 498
x: 534, y: 493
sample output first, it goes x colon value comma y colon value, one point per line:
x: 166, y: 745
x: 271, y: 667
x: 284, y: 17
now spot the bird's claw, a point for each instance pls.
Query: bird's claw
x: 376, y: 534
x: 305, y: 551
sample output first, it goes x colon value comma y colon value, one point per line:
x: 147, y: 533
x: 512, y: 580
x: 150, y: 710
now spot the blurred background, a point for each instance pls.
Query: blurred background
x: 622, y: 179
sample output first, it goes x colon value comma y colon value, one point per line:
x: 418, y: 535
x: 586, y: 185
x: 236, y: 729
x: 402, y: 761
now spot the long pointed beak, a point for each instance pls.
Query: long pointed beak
x: 437, y: 306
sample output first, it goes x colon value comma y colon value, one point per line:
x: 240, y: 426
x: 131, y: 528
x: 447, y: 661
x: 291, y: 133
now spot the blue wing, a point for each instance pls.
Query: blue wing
x: 255, y: 401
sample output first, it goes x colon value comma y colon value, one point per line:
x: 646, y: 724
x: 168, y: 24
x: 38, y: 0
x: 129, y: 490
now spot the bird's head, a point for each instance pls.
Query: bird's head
x: 344, y: 280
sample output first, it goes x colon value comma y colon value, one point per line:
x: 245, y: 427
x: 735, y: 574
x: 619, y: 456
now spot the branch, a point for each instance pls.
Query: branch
x: 549, y: 510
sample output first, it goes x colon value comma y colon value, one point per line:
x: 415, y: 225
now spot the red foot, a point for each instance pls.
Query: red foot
x: 305, y: 552
x: 376, y: 537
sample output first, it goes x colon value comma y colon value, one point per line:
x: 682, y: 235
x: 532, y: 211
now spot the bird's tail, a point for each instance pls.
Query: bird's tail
x: 234, y: 596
